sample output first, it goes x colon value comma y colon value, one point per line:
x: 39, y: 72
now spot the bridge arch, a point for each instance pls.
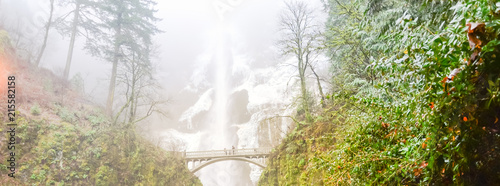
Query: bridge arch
x: 215, y: 160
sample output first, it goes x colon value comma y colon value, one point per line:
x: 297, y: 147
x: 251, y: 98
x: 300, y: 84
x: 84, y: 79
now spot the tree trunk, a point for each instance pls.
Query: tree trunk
x: 47, y: 28
x: 136, y: 101
x: 112, y: 83
x: 111, y: 93
x: 302, y: 76
x: 132, y: 96
x: 72, y: 42
x: 323, y: 104
x: 270, y: 133
x: 304, y: 94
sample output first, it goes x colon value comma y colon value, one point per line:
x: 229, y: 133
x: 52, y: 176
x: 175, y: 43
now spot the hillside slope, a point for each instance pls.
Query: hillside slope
x: 63, y: 139
x: 429, y: 116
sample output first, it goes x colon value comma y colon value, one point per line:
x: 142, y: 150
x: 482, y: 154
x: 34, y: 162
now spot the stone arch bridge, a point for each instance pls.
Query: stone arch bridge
x: 196, y: 160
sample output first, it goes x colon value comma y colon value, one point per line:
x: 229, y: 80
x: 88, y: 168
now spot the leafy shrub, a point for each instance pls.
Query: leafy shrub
x: 48, y: 86
x: 35, y: 110
x: 62, y: 154
x: 97, y: 120
x: 65, y: 114
x: 78, y: 83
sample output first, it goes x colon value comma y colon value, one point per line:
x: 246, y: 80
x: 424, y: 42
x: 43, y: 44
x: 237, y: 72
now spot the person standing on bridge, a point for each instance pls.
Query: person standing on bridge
x: 225, y: 151
x: 233, y: 149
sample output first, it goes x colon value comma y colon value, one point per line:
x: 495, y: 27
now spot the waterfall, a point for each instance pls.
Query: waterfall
x: 219, y: 128
x: 219, y: 133
x: 233, y: 98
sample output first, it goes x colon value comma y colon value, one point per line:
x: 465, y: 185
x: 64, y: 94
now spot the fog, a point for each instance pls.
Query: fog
x: 217, y: 63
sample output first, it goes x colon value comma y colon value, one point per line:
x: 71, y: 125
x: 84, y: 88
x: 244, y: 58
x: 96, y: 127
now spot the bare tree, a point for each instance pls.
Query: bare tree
x: 23, y: 45
x: 132, y: 22
x: 318, y: 80
x: 174, y: 144
x: 136, y: 77
x: 302, y: 39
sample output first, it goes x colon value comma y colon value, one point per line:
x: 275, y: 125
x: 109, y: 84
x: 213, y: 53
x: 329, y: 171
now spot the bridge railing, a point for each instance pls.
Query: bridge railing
x: 227, y: 152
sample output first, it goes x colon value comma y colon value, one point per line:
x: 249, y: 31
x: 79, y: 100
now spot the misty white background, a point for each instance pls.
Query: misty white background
x: 191, y: 29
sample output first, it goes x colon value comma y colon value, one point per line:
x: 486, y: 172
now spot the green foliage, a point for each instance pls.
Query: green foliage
x: 292, y: 148
x: 70, y: 155
x: 4, y: 42
x: 77, y: 83
x: 113, y: 14
x: 3, y: 167
x: 65, y: 114
x: 97, y: 119
x: 290, y: 162
x: 48, y: 85
x: 105, y: 176
x: 35, y: 110
x: 396, y: 120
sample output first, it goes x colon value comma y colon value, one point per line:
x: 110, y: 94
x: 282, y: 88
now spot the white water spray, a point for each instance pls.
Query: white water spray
x: 219, y: 128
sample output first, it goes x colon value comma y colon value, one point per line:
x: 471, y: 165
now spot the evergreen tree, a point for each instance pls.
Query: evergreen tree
x: 125, y: 26
x: 47, y: 29
x: 80, y: 21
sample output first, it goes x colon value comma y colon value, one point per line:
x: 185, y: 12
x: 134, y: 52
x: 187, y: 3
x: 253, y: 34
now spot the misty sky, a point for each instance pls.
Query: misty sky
x: 190, y: 28
x: 193, y: 26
